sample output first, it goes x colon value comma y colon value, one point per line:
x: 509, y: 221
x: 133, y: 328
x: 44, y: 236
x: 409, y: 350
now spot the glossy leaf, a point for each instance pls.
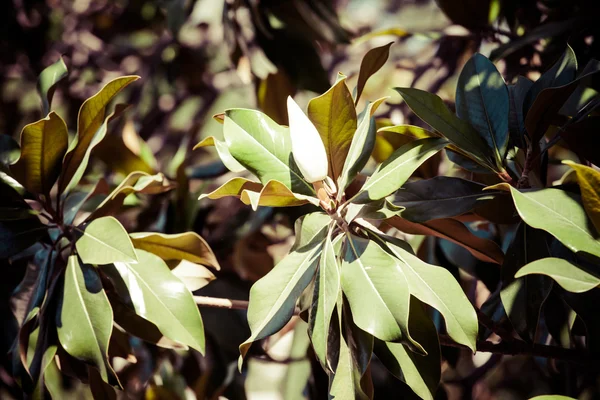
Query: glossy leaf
x: 85, y: 320
x: 420, y: 373
x: 182, y: 246
x: 105, y: 241
x: 567, y: 275
x: 559, y: 213
x: 91, y: 128
x: 437, y: 287
x: 161, y: 298
x: 43, y: 145
x: 273, y: 297
x: 395, y: 171
x: 370, y: 64
x: 360, y: 148
x: 589, y: 183
x: 233, y: 187
x: 431, y: 109
x: 308, y: 226
x: 334, y: 116
x: 231, y: 163
x: 327, y: 287
x: 136, y: 182
x: 482, y: 99
x: 275, y: 194
x: 263, y: 147
x: 440, y: 197
x: 376, y: 210
x: 456, y: 232
x: 377, y: 291
x: 516, y: 118
x: 48, y: 80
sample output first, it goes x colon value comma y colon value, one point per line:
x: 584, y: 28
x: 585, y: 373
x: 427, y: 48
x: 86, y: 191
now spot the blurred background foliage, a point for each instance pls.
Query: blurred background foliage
x: 197, y: 58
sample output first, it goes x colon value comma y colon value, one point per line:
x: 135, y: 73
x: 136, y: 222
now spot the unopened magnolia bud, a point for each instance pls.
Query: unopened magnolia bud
x: 307, y: 146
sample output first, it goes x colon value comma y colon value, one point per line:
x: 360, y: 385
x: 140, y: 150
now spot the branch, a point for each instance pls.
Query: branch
x: 513, y: 348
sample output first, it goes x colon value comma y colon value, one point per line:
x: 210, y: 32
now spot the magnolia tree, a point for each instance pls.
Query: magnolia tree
x: 353, y: 272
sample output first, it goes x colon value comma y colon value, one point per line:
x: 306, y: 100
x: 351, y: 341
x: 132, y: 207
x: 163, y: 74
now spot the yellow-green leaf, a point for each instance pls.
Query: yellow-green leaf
x: 183, y: 246
x: 589, y: 183
x: 47, y: 81
x: 275, y: 194
x: 234, y: 187
x: 105, y: 241
x: 567, y: 275
x: 334, y: 116
x: 43, y: 145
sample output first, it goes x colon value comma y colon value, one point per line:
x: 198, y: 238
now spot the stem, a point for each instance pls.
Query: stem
x: 512, y: 348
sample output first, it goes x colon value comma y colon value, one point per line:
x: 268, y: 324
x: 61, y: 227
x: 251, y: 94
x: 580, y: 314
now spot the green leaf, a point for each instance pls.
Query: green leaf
x: 105, y: 241
x: 360, y: 148
x: 567, y: 275
x: 233, y: 187
x: 273, y: 297
x: 9, y: 151
x: 431, y: 109
x: 136, y: 182
x: 440, y: 197
x: 17, y: 235
x: 589, y: 183
x: 308, y: 226
x: 377, y: 291
x: 47, y: 81
x: 559, y: 213
x: 161, y: 298
x: 231, y: 163
x: 396, y: 170
x: 437, y: 287
x: 43, y: 145
x: 482, y: 99
x: 560, y: 74
x: 263, y: 147
x: 85, y: 320
x: 334, y: 116
x: 420, y: 373
x: 370, y: 64
x: 327, y: 288
x: 552, y: 397
x: 91, y: 129
x: 275, y: 194
x: 516, y: 119
x: 377, y: 210
x: 194, y: 276
x: 183, y: 246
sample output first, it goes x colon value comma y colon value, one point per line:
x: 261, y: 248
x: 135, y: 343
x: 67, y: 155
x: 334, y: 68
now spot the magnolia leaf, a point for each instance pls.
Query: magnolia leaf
x: 194, y: 276
x: 437, y: 287
x: 516, y: 119
x: 105, y: 241
x: 552, y: 397
x: 263, y: 147
x: 431, y: 109
x: 85, y: 320
x: 370, y: 64
x: 76, y: 200
x: 334, y: 116
x: 420, y: 373
x: 17, y: 235
x: 396, y: 170
x: 589, y: 183
x: 231, y: 163
x: 116, y: 154
x: 273, y: 297
x: 456, y: 232
x: 99, y: 388
x: 559, y: 213
x: 327, y: 288
x: 91, y: 129
x: 567, y: 275
x: 9, y: 151
x: 361, y: 147
x: 136, y: 182
x: 233, y: 187
x: 275, y: 194
x: 377, y: 210
x: 271, y: 95
x: 482, y: 99
x: 308, y: 226
x: 378, y: 292
x: 43, y: 145
x: 183, y: 246
x: 161, y: 298
x: 441, y: 197
x: 48, y: 80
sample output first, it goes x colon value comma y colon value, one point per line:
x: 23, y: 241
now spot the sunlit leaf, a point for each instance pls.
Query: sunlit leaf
x: 85, y: 319
x: 105, y: 241
x: 589, y: 182
x: 161, y: 298
x: 182, y: 246
x: 231, y: 163
x: 308, y: 226
x: 43, y: 145
x: 47, y: 81
x: 91, y: 129
x: 482, y: 99
x: 372, y: 62
x: 194, y: 276
x: 396, y: 170
x: 567, y: 275
x: 334, y: 116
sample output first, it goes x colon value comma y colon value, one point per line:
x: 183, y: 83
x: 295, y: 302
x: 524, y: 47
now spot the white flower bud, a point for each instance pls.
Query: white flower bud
x: 307, y: 146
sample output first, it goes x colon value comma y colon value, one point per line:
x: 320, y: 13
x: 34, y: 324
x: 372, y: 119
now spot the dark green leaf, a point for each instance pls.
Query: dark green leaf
x: 516, y: 119
x: 17, y: 235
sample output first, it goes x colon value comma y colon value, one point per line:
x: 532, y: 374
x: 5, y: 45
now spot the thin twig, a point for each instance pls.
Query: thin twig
x: 215, y: 302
